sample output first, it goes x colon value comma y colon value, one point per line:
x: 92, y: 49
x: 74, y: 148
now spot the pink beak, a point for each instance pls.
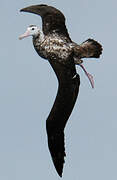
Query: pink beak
x: 26, y: 34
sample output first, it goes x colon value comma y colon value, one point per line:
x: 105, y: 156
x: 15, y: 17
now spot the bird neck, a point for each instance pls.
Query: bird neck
x: 40, y: 36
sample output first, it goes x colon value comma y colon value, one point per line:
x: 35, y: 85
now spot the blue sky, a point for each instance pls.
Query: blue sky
x: 28, y: 88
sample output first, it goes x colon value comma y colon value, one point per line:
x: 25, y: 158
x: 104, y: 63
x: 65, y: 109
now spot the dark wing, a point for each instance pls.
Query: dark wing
x: 88, y: 49
x: 52, y: 19
x: 61, y: 110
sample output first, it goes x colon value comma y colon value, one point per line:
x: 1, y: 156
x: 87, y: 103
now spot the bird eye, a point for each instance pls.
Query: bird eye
x: 33, y: 28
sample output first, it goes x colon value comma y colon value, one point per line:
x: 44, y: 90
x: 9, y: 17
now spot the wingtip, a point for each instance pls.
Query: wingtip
x: 59, y: 173
x: 31, y: 9
x: 23, y: 10
x: 20, y: 10
x: 59, y: 167
x: 26, y: 9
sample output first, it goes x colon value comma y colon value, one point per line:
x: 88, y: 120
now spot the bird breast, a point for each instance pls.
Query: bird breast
x: 53, y: 47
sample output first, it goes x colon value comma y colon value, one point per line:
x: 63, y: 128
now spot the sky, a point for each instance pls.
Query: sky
x: 28, y: 87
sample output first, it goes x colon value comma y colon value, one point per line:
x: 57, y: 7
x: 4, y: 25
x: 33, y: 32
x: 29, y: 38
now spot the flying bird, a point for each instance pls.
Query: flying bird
x: 54, y: 44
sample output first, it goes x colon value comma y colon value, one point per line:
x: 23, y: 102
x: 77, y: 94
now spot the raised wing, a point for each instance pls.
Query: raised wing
x: 66, y: 97
x: 53, y: 20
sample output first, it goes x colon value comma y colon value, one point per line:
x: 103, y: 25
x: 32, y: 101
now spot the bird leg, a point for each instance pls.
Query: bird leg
x: 90, y: 77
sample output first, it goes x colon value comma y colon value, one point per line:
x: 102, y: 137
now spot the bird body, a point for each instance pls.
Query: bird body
x: 54, y: 44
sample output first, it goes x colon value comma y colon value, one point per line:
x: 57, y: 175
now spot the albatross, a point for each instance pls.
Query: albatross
x: 54, y: 44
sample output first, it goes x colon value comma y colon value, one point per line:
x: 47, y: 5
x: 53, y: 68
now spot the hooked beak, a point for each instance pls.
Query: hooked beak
x: 26, y: 34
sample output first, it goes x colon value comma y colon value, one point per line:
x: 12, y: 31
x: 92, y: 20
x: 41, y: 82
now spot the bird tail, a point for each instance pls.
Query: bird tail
x: 90, y: 49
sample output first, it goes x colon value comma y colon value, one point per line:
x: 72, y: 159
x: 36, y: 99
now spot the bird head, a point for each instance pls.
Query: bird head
x: 32, y: 30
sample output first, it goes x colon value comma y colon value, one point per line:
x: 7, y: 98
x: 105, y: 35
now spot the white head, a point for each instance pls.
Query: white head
x: 32, y: 30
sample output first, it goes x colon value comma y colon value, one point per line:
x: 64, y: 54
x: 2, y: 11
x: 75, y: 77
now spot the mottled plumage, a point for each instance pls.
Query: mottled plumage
x: 54, y: 44
x: 52, y: 47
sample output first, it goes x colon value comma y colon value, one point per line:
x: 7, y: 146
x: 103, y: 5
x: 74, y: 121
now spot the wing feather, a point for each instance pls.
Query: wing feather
x: 52, y: 18
x: 65, y: 100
